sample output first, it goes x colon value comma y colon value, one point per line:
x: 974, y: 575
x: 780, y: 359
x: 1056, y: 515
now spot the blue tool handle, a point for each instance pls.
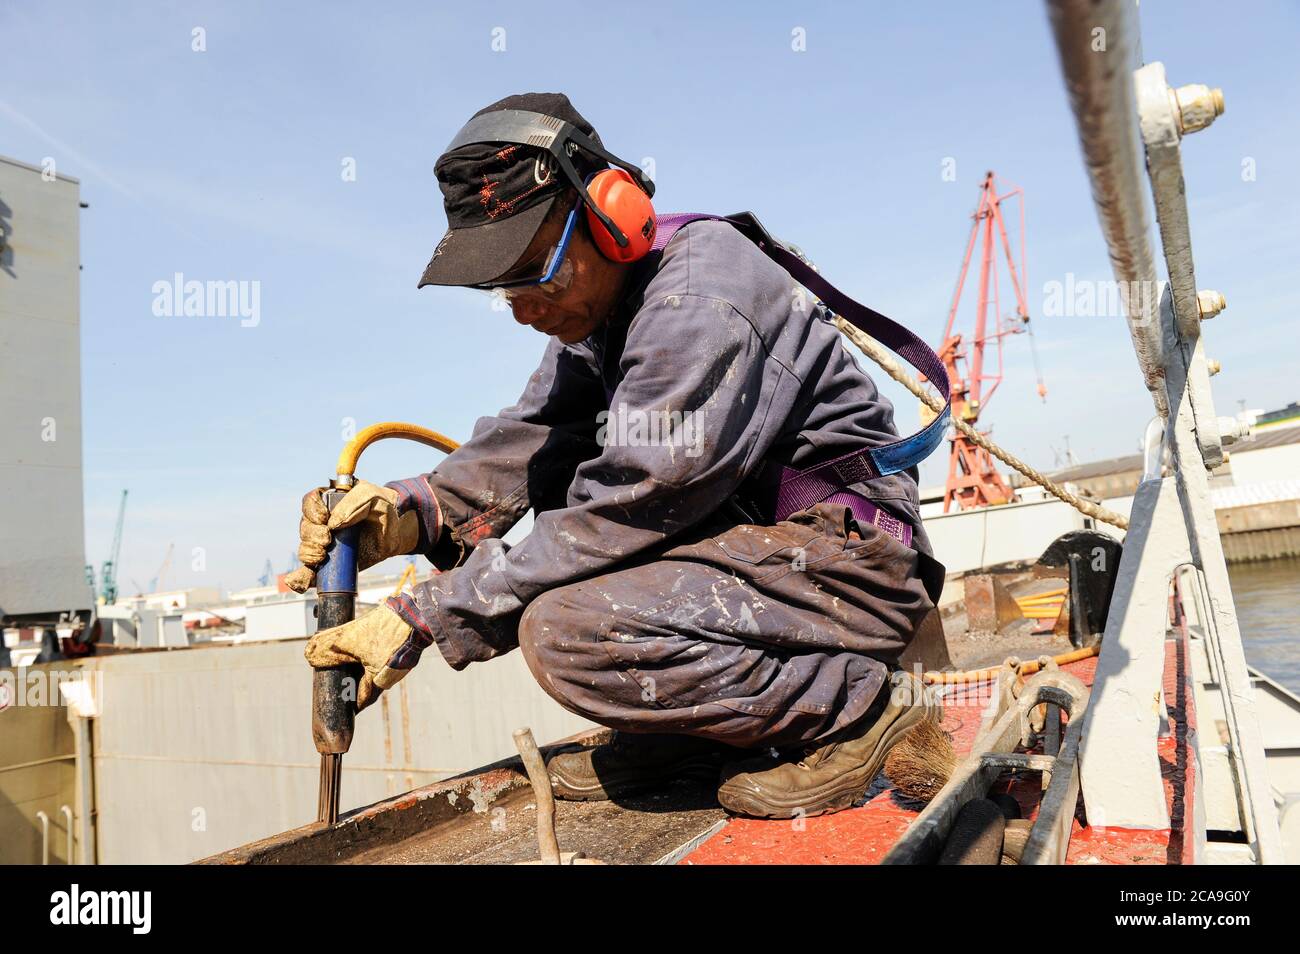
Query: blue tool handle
x: 338, y: 574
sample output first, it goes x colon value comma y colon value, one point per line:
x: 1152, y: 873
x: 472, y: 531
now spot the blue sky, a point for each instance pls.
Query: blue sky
x: 226, y: 164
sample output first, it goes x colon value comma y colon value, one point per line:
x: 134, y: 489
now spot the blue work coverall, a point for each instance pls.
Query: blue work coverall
x: 649, y: 596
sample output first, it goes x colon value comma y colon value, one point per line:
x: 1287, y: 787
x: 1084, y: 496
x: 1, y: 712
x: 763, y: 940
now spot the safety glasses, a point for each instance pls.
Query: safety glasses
x: 549, y: 272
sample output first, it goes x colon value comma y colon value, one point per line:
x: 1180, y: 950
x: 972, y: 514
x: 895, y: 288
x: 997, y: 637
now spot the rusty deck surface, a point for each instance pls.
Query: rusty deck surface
x: 489, y: 817
x: 648, y: 830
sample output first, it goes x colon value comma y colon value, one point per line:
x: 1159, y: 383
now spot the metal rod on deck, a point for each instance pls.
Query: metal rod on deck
x: 547, y: 843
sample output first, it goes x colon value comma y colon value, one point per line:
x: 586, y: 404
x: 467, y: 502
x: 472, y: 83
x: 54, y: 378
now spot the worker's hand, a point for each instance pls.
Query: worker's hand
x: 374, y: 640
x: 394, y: 519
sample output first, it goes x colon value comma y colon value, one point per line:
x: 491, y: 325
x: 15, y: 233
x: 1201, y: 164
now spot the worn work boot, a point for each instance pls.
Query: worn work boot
x: 634, y: 762
x: 830, y: 775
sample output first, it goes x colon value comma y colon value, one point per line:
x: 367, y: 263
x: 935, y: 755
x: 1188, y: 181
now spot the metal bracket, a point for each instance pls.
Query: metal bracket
x: 1162, y: 131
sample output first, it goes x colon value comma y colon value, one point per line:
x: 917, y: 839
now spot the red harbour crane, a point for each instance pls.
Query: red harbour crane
x: 973, y: 479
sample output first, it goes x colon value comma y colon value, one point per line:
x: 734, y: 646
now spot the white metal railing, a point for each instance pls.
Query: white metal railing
x: 1098, y: 45
x: 1172, y: 523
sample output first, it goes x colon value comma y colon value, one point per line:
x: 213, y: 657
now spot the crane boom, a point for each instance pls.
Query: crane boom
x: 108, y: 573
x: 973, y: 479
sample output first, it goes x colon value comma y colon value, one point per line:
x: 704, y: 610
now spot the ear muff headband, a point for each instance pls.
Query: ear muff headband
x: 561, y: 139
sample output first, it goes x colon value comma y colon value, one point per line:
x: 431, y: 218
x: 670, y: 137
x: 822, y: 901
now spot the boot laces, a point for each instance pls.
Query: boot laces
x: 814, y: 755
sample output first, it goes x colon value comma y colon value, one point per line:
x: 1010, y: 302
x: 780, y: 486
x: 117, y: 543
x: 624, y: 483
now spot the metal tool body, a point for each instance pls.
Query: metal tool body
x: 334, y: 690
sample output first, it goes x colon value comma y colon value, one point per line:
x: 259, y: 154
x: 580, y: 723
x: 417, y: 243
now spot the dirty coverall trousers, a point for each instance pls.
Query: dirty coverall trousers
x: 749, y: 635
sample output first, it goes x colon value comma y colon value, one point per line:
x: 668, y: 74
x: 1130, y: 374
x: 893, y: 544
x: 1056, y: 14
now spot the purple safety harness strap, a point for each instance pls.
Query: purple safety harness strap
x: 864, y: 511
x: 829, y: 481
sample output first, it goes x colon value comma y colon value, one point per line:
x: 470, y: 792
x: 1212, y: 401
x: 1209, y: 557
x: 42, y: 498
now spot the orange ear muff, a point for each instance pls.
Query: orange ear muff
x: 616, y: 193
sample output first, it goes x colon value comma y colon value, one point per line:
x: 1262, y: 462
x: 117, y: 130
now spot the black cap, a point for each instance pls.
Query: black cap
x: 497, y: 195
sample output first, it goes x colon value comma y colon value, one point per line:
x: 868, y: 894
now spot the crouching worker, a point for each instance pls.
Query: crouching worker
x: 687, y: 580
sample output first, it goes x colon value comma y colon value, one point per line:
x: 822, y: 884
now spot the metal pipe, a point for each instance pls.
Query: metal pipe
x: 1098, y: 44
x: 85, y: 787
x: 67, y: 817
x: 45, y: 837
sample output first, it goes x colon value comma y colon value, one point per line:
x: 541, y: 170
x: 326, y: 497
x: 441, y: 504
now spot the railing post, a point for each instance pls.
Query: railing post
x: 1197, y: 434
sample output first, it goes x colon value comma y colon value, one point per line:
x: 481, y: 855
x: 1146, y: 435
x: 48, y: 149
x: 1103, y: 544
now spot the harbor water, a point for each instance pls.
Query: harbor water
x: 1265, y: 594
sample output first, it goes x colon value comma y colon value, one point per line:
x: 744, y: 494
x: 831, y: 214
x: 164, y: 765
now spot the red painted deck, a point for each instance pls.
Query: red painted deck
x: 864, y: 834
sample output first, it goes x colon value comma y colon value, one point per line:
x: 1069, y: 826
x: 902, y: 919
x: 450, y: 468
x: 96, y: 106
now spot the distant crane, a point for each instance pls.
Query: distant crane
x: 108, y: 572
x: 162, y: 570
x: 973, y: 480
x: 1065, y: 458
x: 268, y: 574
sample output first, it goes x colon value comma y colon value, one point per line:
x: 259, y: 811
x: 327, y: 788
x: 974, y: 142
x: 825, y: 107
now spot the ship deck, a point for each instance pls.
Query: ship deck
x: 489, y: 816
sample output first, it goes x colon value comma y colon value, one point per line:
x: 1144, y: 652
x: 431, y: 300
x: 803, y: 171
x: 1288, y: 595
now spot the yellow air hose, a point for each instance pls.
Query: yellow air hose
x: 347, y: 465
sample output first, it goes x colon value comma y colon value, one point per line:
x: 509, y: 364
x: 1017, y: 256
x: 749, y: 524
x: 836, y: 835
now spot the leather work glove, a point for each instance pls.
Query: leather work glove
x: 397, y: 518
x: 374, y: 640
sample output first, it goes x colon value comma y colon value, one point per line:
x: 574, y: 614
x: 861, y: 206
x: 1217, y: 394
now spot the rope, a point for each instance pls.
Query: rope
x: 877, y: 353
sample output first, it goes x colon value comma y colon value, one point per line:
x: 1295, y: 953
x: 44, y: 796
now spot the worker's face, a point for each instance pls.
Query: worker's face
x: 575, y: 311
